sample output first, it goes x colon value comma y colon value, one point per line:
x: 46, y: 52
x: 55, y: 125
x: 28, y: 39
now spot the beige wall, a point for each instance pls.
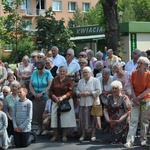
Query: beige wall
x: 62, y: 14
x: 143, y: 41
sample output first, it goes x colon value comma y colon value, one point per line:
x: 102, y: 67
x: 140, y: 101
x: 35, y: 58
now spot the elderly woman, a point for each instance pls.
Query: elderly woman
x: 40, y: 56
x: 24, y: 71
x: 116, y: 111
x: 105, y: 80
x: 111, y: 59
x: 3, y: 75
x: 98, y: 69
x: 91, y: 59
x: 88, y: 90
x: 123, y: 77
x: 83, y: 63
x: 39, y: 84
x: 99, y: 56
x: 50, y: 66
x: 9, y: 105
x: 140, y: 88
x: 61, y: 90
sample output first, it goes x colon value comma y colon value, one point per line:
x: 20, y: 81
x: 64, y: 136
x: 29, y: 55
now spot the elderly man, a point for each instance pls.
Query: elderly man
x: 57, y: 59
x: 132, y: 64
x: 72, y: 64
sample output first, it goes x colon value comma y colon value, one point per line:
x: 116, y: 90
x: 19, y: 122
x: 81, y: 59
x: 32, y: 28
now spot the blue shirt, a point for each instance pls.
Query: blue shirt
x: 40, y: 83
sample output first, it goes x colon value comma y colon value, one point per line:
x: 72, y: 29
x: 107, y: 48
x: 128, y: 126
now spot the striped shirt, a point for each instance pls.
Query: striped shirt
x: 23, y: 115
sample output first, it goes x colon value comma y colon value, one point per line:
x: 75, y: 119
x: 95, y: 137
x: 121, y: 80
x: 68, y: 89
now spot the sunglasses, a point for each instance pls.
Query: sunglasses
x: 81, y: 55
x: 33, y: 56
x: 39, y: 68
x: 39, y: 57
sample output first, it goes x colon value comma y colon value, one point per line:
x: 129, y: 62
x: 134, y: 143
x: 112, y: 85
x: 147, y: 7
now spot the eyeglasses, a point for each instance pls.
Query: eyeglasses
x: 48, y: 62
x: 68, y: 54
x: 84, y: 49
x: 33, y: 56
x: 81, y: 62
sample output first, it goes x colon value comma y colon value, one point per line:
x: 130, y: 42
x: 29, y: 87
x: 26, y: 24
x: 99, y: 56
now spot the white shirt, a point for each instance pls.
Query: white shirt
x: 73, y: 67
x: 59, y: 60
x: 130, y: 66
x: 48, y: 106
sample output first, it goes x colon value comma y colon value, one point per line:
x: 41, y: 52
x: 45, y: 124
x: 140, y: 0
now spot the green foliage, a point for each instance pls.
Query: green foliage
x: 93, y: 16
x: 24, y: 47
x: 136, y: 10
x: 51, y: 32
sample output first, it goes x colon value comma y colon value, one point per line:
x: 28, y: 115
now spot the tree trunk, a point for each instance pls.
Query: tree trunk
x: 111, y: 24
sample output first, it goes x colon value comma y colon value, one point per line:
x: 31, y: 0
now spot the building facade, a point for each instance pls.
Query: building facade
x: 30, y: 10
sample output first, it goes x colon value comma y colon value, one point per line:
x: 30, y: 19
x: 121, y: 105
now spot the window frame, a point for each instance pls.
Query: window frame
x: 59, y: 7
x: 83, y: 6
x: 69, y: 7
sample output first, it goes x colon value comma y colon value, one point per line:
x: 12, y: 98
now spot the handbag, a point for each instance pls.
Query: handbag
x: 64, y: 106
x: 96, y: 110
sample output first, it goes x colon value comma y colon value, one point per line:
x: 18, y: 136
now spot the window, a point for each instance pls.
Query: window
x: 57, y: 6
x: 85, y: 6
x: 72, y: 6
x: 8, y: 47
x: 27, y: 25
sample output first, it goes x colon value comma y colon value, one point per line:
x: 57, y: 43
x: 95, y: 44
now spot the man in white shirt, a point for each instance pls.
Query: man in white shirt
x: 132, y: 64
x: 57, y: 59
x: 72, y: 65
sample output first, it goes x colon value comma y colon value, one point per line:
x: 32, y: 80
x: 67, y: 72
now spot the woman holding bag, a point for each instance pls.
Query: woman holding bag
x: 88, y: 90
x: 61, y: 90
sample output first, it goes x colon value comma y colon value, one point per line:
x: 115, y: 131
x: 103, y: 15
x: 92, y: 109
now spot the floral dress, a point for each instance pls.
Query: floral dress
x: 115, y: 111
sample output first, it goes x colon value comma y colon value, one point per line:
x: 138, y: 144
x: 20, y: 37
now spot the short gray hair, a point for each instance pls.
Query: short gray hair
x: 144, y: 59
x: 6, y: 88
x: 83, y: 60
x: 99, y: 53
x: 117, y: 64
x: 71, y: 50
x: 90, y: 52
x: 116, y: 84
x: 88, y: 69
x: 15, y: 83
x: 106, y: 70
x: 26, y: 58
x: 55, y: 47
x: 99, y: 65
x: 110, y: 51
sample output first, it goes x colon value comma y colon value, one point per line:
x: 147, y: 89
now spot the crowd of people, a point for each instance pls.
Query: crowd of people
x: 45, y: 83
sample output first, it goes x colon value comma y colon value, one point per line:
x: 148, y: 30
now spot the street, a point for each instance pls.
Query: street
x: 102, y: 143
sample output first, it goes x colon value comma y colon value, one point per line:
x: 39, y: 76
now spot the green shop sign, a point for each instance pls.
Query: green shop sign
x: 88, y: 30
x: 133, y: 42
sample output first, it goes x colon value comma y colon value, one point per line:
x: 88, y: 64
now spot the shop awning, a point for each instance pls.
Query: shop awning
x: 92, y: 37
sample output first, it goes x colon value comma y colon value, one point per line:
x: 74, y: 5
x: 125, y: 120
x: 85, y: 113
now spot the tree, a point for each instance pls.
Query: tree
x: 13, y: 27
x: 111, y: 23
x: 52, y: 32
x: 91, y: 17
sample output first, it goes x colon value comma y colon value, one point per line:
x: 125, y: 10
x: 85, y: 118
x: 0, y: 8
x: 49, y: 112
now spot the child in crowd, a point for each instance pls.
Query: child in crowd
x: 3, y: 129
x: 22, y: 120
